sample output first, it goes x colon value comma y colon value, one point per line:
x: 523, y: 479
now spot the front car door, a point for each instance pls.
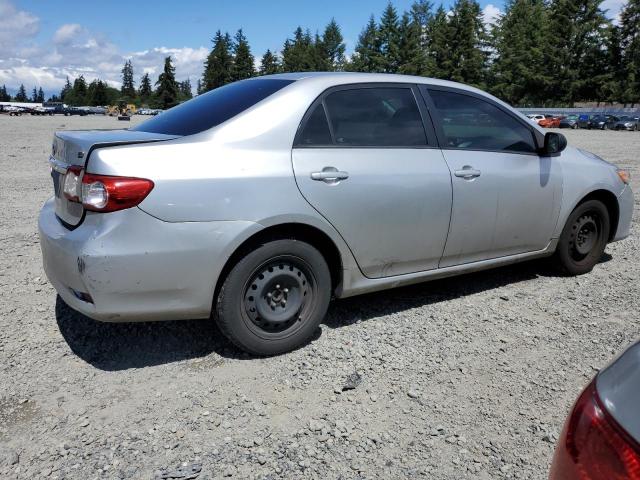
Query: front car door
x: 367, y: 161
x: 506, y: 198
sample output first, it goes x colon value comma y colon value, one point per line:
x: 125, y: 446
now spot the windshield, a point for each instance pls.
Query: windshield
x: 212, y: 108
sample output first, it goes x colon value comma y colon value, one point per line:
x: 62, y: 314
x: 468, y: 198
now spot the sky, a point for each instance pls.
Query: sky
x: 44, y: 41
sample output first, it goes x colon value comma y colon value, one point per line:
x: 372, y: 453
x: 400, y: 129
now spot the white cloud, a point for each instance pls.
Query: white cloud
x: 74, y: 51
x: 66, y: 33
x: 613, y: 9
x: 16, y: 26
x: 491, y: 14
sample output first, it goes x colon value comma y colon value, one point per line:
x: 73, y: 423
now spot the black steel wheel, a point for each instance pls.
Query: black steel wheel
x: 275, y: 297
x: 278, y: 295
x: 583, y: 238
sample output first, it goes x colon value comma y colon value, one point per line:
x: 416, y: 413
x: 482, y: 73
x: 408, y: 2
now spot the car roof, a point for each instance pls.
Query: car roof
x: 341, y: 78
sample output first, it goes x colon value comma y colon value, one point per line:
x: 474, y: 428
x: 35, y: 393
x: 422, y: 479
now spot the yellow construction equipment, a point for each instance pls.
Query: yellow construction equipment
x: 121, y: 110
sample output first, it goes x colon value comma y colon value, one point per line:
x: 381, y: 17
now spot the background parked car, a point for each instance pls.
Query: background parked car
x: 75, y: 111
x: 535, y: 118
x: 627, y: 123
x: 602, y: 122
x: 550, y: 121
x: 601, y: 437
x: 570, y: 121
x: 584, y: 119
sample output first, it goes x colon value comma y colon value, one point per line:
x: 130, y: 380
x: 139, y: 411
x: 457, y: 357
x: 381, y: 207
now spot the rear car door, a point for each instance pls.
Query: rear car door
x: 506, y: 198
x: 365, y: 159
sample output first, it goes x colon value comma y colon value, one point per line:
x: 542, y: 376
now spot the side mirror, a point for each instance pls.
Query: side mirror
x: 554, y: 143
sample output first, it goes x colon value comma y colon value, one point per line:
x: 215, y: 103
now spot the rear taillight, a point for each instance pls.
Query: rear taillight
x: 593, y: 446
x: 71, y: 184
x: 104, y: 193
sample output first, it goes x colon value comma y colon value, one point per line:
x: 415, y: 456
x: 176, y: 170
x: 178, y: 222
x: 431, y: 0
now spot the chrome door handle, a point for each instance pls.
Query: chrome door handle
x: 467, y: 172
x: 329, y: 175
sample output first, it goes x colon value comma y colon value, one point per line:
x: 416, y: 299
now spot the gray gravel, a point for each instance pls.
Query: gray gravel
x: 464, y: 378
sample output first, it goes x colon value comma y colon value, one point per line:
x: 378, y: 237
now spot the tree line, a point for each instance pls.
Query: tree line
x: 167, y: 92
x: 537, y: 53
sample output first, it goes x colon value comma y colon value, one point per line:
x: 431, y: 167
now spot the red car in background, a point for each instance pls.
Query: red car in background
x: 550, y: 121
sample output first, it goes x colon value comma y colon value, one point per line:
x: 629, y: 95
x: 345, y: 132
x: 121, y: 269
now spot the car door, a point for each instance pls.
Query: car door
x: 367, y: 162
x: 506, y: 198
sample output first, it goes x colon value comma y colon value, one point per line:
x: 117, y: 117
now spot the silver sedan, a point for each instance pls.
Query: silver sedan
x: 258, y: 202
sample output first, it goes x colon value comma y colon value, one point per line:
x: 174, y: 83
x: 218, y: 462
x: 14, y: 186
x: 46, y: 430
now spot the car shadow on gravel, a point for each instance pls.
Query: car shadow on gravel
x: 119, y: 346
x: 363, y: 307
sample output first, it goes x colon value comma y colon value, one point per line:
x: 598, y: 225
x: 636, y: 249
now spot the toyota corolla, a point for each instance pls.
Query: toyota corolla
x: 258, y: 202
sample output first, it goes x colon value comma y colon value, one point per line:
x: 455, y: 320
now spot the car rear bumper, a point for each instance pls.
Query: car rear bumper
x: 130, y: 266
x: 625, y: 204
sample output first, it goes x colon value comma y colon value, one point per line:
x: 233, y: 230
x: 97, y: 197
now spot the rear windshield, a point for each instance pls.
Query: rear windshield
x: 212, y: 108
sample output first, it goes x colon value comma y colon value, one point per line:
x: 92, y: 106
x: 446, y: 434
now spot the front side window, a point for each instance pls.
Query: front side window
x: 472, y: 123
x: 375, y: 117
x: 212, y: 108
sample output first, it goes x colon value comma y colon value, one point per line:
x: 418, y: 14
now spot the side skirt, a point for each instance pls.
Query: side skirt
x: 354, y: 283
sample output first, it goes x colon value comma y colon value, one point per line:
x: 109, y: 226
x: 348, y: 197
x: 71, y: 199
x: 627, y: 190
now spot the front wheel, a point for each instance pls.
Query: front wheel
x: 275, y: 297
x: 583, y: 238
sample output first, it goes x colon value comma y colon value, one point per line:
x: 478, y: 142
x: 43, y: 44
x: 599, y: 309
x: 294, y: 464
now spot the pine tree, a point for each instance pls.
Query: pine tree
x: 243, y: 61
x: 298, y: 54
x: 422, y: 16
x: 439, y: 51
x: 581, y: 27
x: 332, y: 47
x: 389, y: 35
x: 368, y: 54
x: 40, y: 95
x: 269, y: 64
x: 128, y: 89
x: 167, y: 87
x: 34, y: 95
x: 520, y: 40
x: 66, y: 89
x: 219, y: 63
x: 630, y: 45
x: 185, y: 89
x: 199, y: 87
x: 21, y: 96
x: 319, y: 56
x: 97, y: 93
x: 79, y: 91
x: 146, y: 90
x: 411, y: 55
x: 4, y: 96
x: 613, y: 85
x: 467, y: 40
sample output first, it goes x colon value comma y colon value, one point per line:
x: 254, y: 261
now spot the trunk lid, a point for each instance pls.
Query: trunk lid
x: 72, y: 148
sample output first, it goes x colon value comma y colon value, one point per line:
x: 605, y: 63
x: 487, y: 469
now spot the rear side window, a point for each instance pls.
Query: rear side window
x: 475, y: 124
x: 316, y: 129
x: 375, y: 117
x: 212, y: 108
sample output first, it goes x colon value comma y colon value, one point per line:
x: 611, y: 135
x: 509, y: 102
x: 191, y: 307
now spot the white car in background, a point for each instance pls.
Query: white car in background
x: 536, y: 118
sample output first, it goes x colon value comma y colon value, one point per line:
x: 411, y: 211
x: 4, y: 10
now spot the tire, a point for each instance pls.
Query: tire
x: 574, y: 126
x: 583, y: 238
x: 292, y: 286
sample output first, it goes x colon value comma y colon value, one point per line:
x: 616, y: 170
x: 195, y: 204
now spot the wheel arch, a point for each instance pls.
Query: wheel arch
x: 289, y: 230
x: 610, y: 201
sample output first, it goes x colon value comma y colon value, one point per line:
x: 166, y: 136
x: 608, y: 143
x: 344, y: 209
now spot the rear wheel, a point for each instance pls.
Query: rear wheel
x: 583, y: 238
x: 275, y: 297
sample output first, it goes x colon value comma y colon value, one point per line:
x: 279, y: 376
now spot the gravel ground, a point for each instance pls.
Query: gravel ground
x: 464, y: 378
